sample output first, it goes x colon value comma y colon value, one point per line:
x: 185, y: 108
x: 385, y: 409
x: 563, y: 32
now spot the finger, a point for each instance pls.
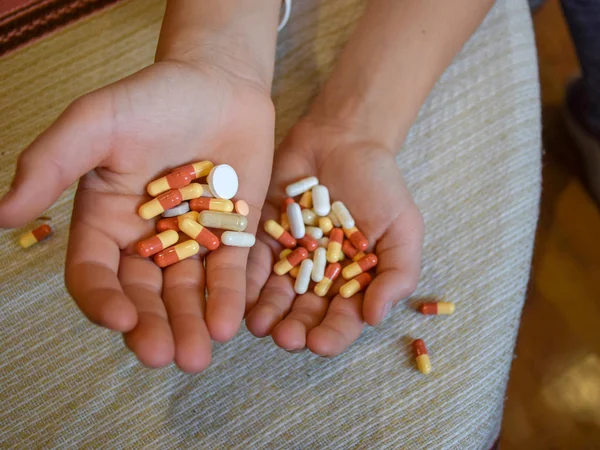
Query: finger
x: 183, y: 294
x: 307, y: 312
x: 76, y: 143
x: 151, y: 340
x: 399, y: 252
x: 275, y: 301
x: 341, y: 327
x: 260, y: 262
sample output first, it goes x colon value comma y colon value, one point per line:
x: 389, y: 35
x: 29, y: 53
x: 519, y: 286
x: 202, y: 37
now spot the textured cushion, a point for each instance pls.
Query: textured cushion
x: 472, y: 161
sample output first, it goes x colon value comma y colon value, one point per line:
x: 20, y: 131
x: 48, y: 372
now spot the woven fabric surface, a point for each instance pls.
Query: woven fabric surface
x: 472, y: 162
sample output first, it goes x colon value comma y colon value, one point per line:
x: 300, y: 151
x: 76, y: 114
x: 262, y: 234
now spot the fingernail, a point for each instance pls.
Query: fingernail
x: 385, y: 311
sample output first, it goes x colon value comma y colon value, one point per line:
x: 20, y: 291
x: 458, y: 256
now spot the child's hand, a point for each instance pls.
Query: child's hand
x: 363, y: 174
x: 118, y: 139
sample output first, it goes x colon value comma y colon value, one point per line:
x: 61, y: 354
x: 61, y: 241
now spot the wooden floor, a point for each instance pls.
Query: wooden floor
x: 553, y: 397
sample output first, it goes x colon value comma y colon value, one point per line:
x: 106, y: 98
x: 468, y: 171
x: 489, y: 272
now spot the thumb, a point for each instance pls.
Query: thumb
x: 76, y: 143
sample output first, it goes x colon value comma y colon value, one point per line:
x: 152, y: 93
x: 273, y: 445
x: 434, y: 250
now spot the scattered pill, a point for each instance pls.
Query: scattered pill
x: 283, y: 253
x: 177, y: 253
x: 335, y: 245
x: 343, y: 214
x: 155, y: 244
x: 277, y: 232
x: 315, y: 232
x: 172, y: 223
x: 301, y: 186
x: 323, y: 242
x: 160, y: 204
x: 284, y: 265
x: 35, y: 236
x: 319, y: 263
x: 200, y: 234
x: 308, y: 242
x: 309, y: 217
x: 437, y: 308
x: 334, y: 219
x: 421, y: 356
x: 223, y: 221
x: 303, y: 277
x: 238, y: 239
x: 362, y: 265
x: 206, y: 191
x: 331, y: 273
x: 359, y: 241
x: 223, y: 181
x: 325, y: 224
x: 180, y: 209
x: 211, y: 204
x: 306, y: 201
x: 241, y: 207
x: 355, y: 285
x: 320, y: 199
x: 294, y: 214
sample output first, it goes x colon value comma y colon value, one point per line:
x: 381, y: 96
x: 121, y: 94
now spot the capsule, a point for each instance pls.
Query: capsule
x: 303, y: 277
x: 315, y: 232
x: 191, y: 191
x: 277, y: 232
x: 331, y: 273
x: 292, y: 260
x: 355, y: 285
x: 199, y: 233
x: 177, y: 253
x: 223, y: 220
x: 285, y: 223
x: 155, y: 244
x: 238, y: 239
x: 421, y: 356
x: 357, y: 238
x: 211, y: 204
x: 325, y: 224
x: 182, y: 208
x: 309, y: 217
x: 172, y: 223
x: 320, y: 199
x: 283, y: 253
x: 306, y: 200
x: 334, y: 219
x: 359, y: 256
x: 301, y: 186
x: 160, y: 204
x: 308, y: 242
x: 362, y: 265
x: 35, y: 236
x: 294, y: 271
x: 180, y: 177
x: 319, y: 263
x: 349, y: 249
x: 437, y: 308
x: 323, y: 242
x: 335, y: 245
x: 343, y: 214
x: 294, y: 214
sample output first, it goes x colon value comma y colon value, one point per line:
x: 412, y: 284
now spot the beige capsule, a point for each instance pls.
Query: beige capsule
x: 223, y: 220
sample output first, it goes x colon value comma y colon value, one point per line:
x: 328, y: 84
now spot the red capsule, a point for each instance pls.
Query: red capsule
x: 357, y: 238
x: 349, y: 249
x: 308, y: 242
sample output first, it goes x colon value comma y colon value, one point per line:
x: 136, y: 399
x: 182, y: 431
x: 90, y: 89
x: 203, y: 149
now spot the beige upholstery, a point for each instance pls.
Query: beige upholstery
x: 472, y: 161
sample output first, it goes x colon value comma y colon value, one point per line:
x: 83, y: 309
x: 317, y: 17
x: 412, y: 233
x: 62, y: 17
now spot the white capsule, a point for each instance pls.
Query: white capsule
x: 223, y: 181
x: 294, y: 214
x: 319, y: 263
x: 206, y: 191
x: 301, y: 186
x: 303, y: 278
x: 182, y: 208
x: 309, y: 217
x: 323, y: 242
x: 321, y: 202
x: 334, y: 219
x: 343, y: 214
x: 238, y: 239
x: 315, y: 232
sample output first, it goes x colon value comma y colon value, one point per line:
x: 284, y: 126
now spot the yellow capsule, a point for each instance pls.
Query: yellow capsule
x: 177, y: 253
x: 421, y: 356
x: 191, y: 191
x: 211, y: 204
x: 325, y: 224
x: 223, y: 221
x: 342, y: 256
x: 334, y: 248
x: 306, y: 200
x: 360, y: 266
x: 358, y: 256
x: 355, y: 285
x: 285, y: 252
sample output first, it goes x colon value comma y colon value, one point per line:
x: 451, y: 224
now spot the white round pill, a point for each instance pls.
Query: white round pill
x: 182, y: 208
x: 223, y: 181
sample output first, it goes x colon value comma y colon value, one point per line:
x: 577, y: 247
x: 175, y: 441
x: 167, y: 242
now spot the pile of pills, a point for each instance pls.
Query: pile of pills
x: 192, y: 209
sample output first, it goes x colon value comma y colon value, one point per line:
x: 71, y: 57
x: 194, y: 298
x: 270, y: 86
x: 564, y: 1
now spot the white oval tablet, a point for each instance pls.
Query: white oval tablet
x: 223, y: 181
x: 238, y: 239
x: 294, y: 214
x: 321, y: 202
x: 303, y: 278
x: 178, y: 210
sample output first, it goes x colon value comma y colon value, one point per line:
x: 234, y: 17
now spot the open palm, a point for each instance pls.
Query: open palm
x: 118, y: 139
x: 364, y: 175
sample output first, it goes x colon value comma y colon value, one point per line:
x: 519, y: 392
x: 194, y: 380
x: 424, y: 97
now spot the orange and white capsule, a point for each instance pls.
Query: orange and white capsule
x: 335, y: 245
x: 362, y: 265
x: 359, y: 241
x: 306, y: 201
x: 35, y: 236
x: 308, y: 242
x: 277, y: 232
x: 177, y: 253
x: 286, y: 264
x: 331, y: 273
x: 421, y: 356
x: 437, y: 308
x: 155, y: 244
x: 172, y: 223
x: 355, y: 285
x: 211, y: 204
x: 325, y: 224
x: 180, y: 177
x: 199, y: 233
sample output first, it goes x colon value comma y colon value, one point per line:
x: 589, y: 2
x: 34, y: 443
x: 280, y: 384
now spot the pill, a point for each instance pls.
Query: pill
x: 359, y: 241
x: 284, y: 265
x: 277, y: 232
x: 285, y: 202
x: 315, y: 232
x: 283, y: 253
x: 223, y: 181
x: 155, y: 244
x: 355, y: 285
x: 421, y: 356
x: 211, y: 204
x: 285, y: 223
x: 319, y: 263
x: 342, y: 256
x: 325, y: 224
x: 294, y: 271
x: 200, y: 234
x: 334, y: 219
x: 437, y: 308
x: 223, y: 220
x: 349, y: 249
x: 172, y: 223
x: 177, y: 253
x: 301, y: 186
x: 306, y: 201
x: 303, y: 277
x: 331, y: 273
x: 364, y: 264
x: 160, y: 204
x: 180, y: 209
x: 178, y: 178
x: 35, y: 236
x: 308, y: 242
x: 323, y: 242
x: 238, y: 239
x: 335, y: 245
x: 191, y: 191
x: 241, y: 207
x: 320, y: 200
x: 294, y: 214
x: 309, y: 217
x: 358, y: 256
x: 343, y: 214
x: 206, y: 191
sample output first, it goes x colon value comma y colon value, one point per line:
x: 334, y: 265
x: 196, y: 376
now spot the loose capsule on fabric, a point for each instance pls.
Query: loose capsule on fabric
x: 355, y: 285
x: 303, y: 277
x: 277, y: 232
x: 421, y: 356
x: 33, y: 237
x: 199, y: 233
x: 437, y: 308
x: 223, y: 221
x: 301, y: 186
x: 284, y: 265
x: 335, y: 245
x: 320, y: 200
x: 332, y: 271
x: 358, y: 239
x: 177, y: 253
x: 155, y: 244
x: 362, y: 265
x: 211, y: 204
